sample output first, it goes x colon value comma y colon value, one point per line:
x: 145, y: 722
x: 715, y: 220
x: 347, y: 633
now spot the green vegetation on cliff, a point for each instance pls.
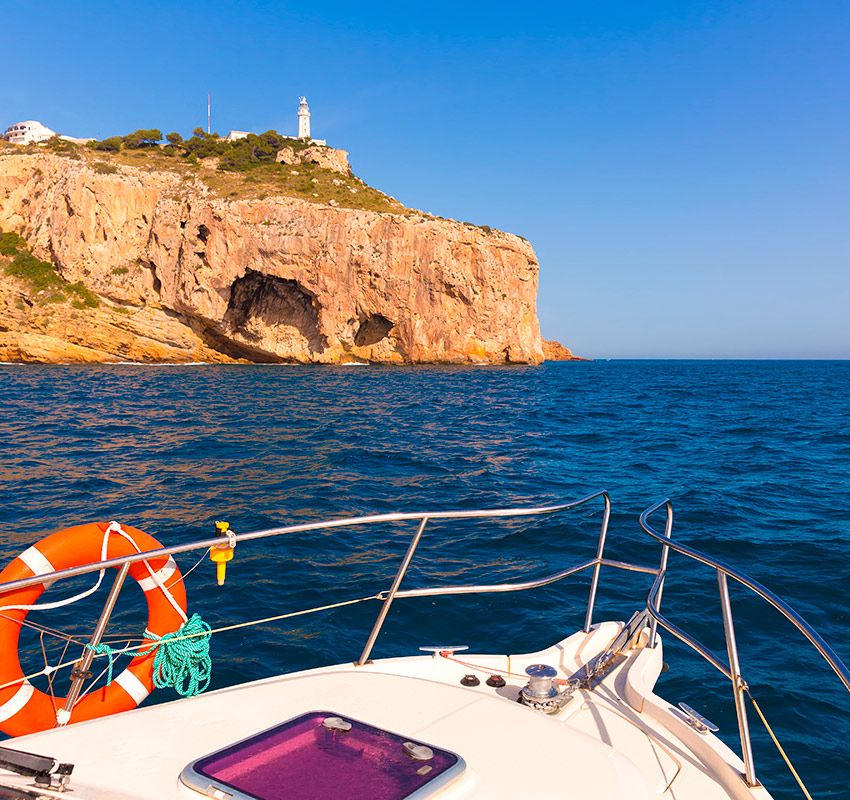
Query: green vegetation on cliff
x: 243, y: 169
x: 45, y: 284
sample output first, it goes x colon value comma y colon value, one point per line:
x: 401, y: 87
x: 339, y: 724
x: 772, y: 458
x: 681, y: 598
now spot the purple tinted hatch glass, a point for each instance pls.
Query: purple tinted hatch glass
x: 302, y: 759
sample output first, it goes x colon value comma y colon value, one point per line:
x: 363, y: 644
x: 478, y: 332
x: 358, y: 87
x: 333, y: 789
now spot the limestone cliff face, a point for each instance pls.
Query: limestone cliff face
x: 278, y: 279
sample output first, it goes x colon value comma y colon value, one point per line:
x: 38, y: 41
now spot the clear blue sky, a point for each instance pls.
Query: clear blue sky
x: 681, y: 168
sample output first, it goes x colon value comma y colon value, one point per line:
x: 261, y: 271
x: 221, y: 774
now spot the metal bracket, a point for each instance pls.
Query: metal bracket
x: 45, y: 771
x: 595, y: 670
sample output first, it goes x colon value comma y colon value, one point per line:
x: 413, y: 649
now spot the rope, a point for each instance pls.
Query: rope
x: 779, y: 747
x: 187, y: 668
x: 446, y: 654
x: 265, y: 620
x: 191, y: 569
x: 57, y: 634
x: 104, y: 649
x: 183, y: 666
x: 47, y: 670
x: 115, y: 528
x: 183, y: 662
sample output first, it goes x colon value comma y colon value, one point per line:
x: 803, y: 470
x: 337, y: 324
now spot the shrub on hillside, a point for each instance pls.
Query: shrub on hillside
x: 111, y: 145
x: 204, y: 145
x: 10, y: 243
x: 243, y: 154
x: 41, y: 276
x: 143, y: 137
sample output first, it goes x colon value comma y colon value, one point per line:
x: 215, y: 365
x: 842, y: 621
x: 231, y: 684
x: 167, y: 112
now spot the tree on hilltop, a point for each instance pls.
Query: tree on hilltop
x: 143, y: 138
x: 174, y: 139
x: 110, y: 145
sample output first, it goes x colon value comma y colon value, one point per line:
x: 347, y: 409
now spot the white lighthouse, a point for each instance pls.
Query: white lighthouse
x: 303, y: 119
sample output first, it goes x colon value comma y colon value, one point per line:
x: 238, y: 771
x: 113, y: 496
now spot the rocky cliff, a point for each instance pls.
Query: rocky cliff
x: 183, y: 273
x: 555, y: 351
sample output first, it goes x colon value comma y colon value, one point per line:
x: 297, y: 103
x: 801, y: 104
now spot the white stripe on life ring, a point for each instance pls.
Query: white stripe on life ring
x: 18, y: 700
x: 36, y: 561
x: 132, y: 685
x: 163, y: 574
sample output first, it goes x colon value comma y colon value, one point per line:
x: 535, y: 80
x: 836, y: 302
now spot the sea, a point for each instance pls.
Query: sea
x: 754, y: 455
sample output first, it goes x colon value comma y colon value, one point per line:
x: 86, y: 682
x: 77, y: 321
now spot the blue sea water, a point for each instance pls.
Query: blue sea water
x: 754, y: 455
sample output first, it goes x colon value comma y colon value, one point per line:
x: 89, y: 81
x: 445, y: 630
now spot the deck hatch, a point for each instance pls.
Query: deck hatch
x: 314, y: 757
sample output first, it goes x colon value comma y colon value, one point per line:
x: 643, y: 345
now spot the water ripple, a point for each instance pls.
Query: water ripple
x: 755, y: 455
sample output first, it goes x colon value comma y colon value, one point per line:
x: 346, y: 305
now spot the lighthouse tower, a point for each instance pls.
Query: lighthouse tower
x: 303, y: 119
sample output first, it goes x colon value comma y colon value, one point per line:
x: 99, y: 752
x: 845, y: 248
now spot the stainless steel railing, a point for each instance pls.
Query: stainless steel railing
x: 388, y: 596
x: 393, y: 592
x: 327, y: 525
x: 732, y: 669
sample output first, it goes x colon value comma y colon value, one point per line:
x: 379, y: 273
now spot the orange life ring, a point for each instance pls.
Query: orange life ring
x: 23, y: 708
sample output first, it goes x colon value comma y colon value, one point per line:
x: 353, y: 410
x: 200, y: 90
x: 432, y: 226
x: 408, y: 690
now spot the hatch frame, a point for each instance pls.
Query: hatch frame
x: 207, y: 786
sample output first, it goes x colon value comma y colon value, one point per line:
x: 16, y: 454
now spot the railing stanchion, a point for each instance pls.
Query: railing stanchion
x: 600, y: 549
x: 81, y: 672
x: 738, y: 685
x: 662, y: 571
x: 388, y: 600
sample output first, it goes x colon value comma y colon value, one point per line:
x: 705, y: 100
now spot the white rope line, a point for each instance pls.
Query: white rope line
x: 48, y: 670
x: 39, y: 628
x: 183, y: 576
x: 50, y: 677
x: 191, y: 569
x: 116, y: 528
x: 113, y: 527
x: 91, y: 686
x: 262, y: 621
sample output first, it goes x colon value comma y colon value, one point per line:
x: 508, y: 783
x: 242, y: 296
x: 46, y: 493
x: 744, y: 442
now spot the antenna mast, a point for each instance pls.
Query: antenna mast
x: 209, y: 99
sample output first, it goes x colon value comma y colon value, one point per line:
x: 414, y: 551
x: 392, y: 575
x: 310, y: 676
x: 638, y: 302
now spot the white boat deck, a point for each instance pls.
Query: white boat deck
x: 614, y: 742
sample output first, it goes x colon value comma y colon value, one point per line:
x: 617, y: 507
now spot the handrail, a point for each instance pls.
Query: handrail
x: 484, y: 588
x: 732, y: 670
x: 652, y: 607
x: 394, y: 591
x: 387, y: 597
x: 344, y: 522
x: 829, y: 655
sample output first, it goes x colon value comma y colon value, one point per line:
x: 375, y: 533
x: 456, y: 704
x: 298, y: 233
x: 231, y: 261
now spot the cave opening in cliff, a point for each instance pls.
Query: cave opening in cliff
x: 372, y: 329
x: 275, y: 315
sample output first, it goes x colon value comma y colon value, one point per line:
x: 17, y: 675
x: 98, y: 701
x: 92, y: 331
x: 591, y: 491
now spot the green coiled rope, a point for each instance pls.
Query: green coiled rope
x: 182, y: 661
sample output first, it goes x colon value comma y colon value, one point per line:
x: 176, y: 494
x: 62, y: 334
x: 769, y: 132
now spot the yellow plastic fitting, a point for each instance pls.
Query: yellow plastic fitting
x: 221, y: 553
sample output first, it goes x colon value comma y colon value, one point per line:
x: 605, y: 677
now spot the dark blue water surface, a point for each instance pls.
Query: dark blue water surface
x: 755, y: 456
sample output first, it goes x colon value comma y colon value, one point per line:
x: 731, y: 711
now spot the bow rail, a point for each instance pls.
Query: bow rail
x: 386, y: 597
x: 732, y: 669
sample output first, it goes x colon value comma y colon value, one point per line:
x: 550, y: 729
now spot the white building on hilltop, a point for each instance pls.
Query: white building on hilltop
x: 28, y: 132
x: 303, y: 127
x: 303, y: 119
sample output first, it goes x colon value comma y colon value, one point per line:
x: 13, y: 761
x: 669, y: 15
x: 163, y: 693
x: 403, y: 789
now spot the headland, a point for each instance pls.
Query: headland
x: 261, y: 249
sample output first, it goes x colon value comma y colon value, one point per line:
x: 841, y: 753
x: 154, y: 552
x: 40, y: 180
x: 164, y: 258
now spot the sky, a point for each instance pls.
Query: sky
x: 682, y: 169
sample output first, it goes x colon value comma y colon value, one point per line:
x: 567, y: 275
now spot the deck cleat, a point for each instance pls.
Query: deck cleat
x: 697, y: 721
